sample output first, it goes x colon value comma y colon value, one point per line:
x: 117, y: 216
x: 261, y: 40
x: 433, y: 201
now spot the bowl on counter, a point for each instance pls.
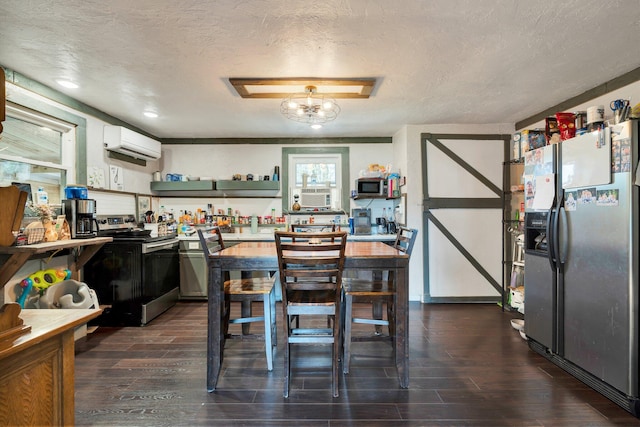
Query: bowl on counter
x: 193, y: 178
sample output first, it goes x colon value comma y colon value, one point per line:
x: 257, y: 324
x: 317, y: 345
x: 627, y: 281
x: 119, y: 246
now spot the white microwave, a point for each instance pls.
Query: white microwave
x: 315, y: 197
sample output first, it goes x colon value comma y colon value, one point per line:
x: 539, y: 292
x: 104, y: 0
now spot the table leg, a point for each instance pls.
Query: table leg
x: 215, y: 325
x: 402, y: 326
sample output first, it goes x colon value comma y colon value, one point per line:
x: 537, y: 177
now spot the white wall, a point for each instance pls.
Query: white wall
x: 408, y: 141
x: 222, y: 161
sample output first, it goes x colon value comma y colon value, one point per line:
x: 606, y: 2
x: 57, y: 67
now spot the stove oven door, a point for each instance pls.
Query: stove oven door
x: 161, y: 272
x: 161, y: 277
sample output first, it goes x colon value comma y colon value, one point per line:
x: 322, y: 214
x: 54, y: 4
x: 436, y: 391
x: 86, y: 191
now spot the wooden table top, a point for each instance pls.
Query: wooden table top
x: 352, y: 250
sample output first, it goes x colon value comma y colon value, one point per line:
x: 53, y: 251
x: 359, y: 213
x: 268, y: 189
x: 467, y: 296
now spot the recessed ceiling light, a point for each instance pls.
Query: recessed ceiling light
x: 66, y: 83
x: 316, y: 126
x: 150, y: 114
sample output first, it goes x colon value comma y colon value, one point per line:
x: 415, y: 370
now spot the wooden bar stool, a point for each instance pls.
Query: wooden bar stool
x: 246, y: 291
x: 376, y: 291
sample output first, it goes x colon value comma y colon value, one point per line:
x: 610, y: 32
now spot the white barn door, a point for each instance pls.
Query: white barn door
x: 463, y: 205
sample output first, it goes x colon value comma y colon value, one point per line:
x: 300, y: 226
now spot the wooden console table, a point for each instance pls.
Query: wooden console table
x: 36, y: 368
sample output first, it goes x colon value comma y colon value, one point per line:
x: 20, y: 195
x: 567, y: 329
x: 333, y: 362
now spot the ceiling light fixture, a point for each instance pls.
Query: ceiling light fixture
x: 310, y: 107
x: 66, y: 83
x: 150, y: 114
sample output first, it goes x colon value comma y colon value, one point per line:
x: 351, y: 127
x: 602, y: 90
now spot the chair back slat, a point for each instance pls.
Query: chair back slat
x: 310, y: 260
x: 405, y: 239
x: 309, y: 228
x: 212, y: 242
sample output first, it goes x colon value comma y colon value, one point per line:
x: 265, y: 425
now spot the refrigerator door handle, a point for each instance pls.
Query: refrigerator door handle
x: 563, y: 243
x: 551, y: 253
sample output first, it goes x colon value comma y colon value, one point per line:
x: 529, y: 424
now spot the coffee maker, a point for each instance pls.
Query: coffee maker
x: 81, y: 215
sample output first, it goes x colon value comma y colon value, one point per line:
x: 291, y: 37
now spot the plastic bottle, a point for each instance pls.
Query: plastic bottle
x: 254, y: 224
x: 42, y: 198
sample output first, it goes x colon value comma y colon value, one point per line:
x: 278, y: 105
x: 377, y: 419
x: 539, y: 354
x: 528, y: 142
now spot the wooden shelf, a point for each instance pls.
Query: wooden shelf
x: 248, y: 185
x: 374, y: 196
x: 308, y: 212
x: 183, y: 185
x: 18, y: 255
x: 217, y: 189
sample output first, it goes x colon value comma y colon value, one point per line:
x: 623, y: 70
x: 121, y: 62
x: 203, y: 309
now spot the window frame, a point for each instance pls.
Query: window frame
x: 342, y: 152
x: 39, y: 100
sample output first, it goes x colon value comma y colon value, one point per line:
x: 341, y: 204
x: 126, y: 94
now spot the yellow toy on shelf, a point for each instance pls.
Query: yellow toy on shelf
x: 41, y: 280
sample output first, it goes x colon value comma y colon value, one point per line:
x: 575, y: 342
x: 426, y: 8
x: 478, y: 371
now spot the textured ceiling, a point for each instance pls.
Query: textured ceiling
x: 440, y: 61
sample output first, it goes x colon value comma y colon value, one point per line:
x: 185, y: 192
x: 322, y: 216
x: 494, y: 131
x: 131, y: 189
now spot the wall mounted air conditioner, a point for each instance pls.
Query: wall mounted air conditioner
x: 319, y: 197
x: 125, y: 141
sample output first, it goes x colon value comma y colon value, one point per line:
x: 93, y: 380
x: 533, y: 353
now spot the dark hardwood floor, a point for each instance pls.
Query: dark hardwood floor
x: 469, y: 367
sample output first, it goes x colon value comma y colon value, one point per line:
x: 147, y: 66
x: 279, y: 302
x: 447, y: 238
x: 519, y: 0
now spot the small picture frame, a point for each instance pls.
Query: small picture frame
x: 116, y: 179
x: 144, y: 204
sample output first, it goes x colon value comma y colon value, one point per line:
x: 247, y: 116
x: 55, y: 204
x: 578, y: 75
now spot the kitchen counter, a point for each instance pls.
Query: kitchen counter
x: 268, y: 236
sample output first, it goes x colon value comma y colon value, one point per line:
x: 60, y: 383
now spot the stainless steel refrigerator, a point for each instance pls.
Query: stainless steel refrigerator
x: 581, y: 259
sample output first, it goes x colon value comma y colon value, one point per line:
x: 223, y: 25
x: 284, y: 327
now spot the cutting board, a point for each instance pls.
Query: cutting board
x: 11, y: 212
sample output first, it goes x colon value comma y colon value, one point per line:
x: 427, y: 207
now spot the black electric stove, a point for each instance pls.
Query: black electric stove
x: 136, y: 276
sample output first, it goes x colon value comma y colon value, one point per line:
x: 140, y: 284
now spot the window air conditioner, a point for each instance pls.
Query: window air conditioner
x: 315, y: 197
x: 125, y: 141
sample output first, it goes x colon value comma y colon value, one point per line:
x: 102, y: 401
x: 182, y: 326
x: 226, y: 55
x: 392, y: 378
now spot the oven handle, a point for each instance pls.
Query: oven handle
x: 153, y: 247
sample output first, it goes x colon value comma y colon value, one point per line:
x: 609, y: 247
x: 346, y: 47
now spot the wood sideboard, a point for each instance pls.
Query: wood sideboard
x: 37, y: 369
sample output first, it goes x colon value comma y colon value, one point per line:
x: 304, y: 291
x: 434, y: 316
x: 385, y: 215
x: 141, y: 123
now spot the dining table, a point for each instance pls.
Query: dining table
x: 262, y: 256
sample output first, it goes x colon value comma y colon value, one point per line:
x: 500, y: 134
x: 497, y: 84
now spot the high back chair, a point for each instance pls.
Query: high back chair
x: 377, y: 291
x: 246, y: 291
x: 300, y: 228
x: 311, y: 266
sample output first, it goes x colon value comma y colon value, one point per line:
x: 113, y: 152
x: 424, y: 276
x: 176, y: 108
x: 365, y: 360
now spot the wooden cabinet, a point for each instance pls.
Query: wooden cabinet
x: 37, y: 372
x: 36, y: 369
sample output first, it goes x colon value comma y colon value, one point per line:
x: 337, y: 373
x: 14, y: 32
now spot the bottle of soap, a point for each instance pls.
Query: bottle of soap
x: 42, y: 198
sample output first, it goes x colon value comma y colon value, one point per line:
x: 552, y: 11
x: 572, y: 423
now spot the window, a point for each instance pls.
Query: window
x: 36, y: 150
x: 319, y: 171
x: 316, y: 167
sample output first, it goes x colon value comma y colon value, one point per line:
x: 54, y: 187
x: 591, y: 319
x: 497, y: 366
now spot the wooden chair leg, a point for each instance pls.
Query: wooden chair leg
x: 391, y: 317
x: 348, y: 315
x: 287, y: 362
x: 376, y: 313
x: 245, y: 311
x: 335, y: 359
x: 376, y: 309
x: 227, y: 315
x: 274, y: 328
x: 268, y: 331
